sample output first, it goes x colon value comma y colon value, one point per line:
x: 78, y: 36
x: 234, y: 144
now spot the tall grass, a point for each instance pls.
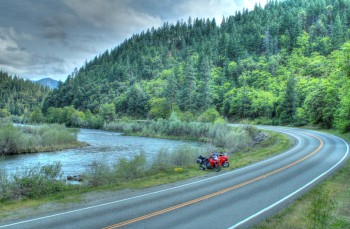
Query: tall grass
x: 219, y: 134
x: 161, y: 128
x: 29, y: 139
x: 101, y: 173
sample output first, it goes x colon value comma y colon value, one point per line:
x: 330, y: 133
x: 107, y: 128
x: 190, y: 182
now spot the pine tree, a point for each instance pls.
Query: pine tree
x: 289, y: 101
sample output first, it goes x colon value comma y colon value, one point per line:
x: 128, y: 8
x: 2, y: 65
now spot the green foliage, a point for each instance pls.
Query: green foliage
x: 133, y: 168
x: 321, y: 105
x: 162, y: 161
x: 74, y: 118
x: 10, y: 139
x: 37, y: 182
x: 4, y: 113
x: 107, y: 111
x: 36, y: 116
x: 183, y: 156
x: 159, y: 108
x: 27, y: 139
x: 210, y: 115
x: 99, y: 173
x: 5, y: 191
x: 289, y: 102
x: 342, y: 121
x: 232, y: 138
x: 345, y: 60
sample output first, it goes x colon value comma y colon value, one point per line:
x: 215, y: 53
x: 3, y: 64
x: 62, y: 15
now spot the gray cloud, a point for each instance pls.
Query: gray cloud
x: 41, y: 38
x: 56, y: 34
x: 115, y: 15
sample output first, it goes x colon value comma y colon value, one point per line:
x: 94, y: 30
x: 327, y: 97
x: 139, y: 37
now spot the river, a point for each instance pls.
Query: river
x: 104, y: 146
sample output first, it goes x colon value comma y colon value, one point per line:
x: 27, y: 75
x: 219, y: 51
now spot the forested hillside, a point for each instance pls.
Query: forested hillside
x: 19, y: 96
x: 286, y: 63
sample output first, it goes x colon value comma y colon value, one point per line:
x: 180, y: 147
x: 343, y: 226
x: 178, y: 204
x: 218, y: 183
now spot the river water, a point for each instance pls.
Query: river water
x: 104, y: 146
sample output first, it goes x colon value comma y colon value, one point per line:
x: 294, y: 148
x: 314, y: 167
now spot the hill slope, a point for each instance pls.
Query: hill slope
x: 267, y: 63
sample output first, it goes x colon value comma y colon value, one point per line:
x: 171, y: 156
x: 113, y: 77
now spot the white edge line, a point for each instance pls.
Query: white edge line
x: 295, y: 192
x: 164, y: 190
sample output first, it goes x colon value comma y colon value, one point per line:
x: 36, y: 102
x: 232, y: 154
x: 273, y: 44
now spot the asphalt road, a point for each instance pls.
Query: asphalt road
x: 235, y: 199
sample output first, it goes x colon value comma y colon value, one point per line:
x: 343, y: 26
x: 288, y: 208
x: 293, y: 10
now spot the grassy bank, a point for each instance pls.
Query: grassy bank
x: 229, y: 139
x: 137, y: 173
x: 325, y: 206
x: 31, y: 139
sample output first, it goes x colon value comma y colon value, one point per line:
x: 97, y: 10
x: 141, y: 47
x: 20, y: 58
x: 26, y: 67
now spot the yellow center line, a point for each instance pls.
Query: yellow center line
x: 187, y: 203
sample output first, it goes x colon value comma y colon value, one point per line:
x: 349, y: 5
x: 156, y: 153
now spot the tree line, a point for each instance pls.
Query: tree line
x: 19, y: 97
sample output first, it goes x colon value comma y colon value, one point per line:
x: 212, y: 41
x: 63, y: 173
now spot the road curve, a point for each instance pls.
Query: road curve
x: 235, y: 199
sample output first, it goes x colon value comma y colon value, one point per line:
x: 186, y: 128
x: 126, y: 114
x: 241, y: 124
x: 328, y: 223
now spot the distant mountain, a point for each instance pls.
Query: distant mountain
x: 51, y: 83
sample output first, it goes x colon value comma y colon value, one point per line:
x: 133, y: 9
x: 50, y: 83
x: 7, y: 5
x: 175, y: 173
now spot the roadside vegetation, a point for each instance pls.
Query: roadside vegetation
x: 31, y: 139
x: 325, y: 206
x: 220, y: 135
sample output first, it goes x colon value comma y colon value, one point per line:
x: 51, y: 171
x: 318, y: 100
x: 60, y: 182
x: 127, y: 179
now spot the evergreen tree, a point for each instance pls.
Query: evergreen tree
x: 189, y: 88
x: 289, y: 101
x: 205, y: 86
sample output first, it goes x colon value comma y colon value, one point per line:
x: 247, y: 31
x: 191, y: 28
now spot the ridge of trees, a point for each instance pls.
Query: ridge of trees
x: 20, y: 97
x: 286, y: 63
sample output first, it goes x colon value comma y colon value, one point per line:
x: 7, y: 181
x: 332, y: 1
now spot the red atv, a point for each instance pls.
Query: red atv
x: 215, y: 161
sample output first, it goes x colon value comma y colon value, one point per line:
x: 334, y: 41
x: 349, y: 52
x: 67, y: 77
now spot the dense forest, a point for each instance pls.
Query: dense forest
x: 284, y: 63
x: 20, y: 97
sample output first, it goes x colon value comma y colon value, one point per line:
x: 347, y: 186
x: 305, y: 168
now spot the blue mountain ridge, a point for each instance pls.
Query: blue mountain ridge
x: 51, y: 83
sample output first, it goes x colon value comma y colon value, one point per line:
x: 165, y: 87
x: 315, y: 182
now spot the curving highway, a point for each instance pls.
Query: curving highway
x: 235, y: 199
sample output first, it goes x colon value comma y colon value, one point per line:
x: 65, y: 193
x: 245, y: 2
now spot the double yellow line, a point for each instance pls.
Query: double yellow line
x: 187, y: 203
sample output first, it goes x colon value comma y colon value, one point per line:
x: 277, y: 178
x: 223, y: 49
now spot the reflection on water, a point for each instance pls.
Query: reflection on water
x: 104, y: 146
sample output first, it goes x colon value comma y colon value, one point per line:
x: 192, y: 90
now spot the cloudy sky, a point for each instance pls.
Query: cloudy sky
x: 49, y: 38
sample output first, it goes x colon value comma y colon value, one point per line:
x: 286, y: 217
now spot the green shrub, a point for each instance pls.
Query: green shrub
x: 209, y: 115
x: 37, y: 182
x: 183, y: 156
x: 133, y: 168
x: 161, y: 161
x: 10, y: 138
x: 5, y: 191
x: 99, y: 173
x: 217, y: 134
